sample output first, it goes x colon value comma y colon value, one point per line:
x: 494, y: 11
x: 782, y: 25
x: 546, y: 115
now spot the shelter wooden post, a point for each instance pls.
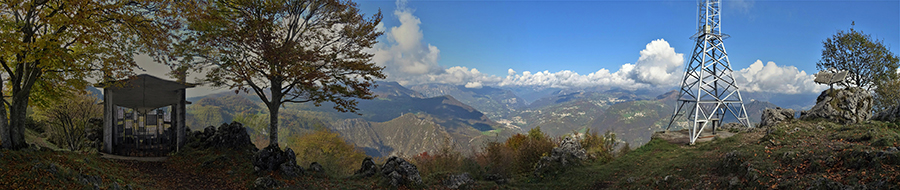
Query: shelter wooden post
x: 109, y: 120
x: 179, y: 119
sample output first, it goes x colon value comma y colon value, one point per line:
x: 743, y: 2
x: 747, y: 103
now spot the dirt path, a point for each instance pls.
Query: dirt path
x: 164, y: 175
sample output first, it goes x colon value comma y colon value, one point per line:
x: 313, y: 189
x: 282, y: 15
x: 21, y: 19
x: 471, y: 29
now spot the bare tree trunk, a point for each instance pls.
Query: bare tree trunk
x: 17, y: 115
x: 273, y: 124
x: 4, y: 125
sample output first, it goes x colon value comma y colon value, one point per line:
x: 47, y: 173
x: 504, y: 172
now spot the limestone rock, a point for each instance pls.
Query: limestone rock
x: 290, y: 170
x: 891, y: 114
x: 316, y: 167
x: 844, y: 106
x: 367, y: 169
x: 271, y: 158
x: 232, y: 136
x: 569, y: 152
x: 265, y: 183
x: 458, y: 181
x: 771, y: 117
x: 400, y: 172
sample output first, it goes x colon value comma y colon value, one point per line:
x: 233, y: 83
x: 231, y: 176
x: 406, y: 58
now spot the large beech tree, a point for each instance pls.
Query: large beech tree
x: 49, y: 47
x: 284, y: 51
x: 868, y: 60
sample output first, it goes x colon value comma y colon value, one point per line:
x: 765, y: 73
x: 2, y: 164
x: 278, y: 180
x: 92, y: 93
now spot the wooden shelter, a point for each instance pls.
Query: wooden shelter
x: 143, y: 116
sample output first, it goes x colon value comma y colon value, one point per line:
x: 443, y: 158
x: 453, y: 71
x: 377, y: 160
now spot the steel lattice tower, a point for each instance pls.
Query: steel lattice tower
x: 708, y: 87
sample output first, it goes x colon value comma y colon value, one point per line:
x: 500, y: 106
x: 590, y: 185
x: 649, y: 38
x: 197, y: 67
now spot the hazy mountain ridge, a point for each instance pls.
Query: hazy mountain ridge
x: 494, y: 102
x: 386, y: 124
x: 563, y: 114
x: 398, y: 121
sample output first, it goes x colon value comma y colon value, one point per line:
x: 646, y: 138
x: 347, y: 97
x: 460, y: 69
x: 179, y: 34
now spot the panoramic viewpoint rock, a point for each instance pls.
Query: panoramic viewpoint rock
x: 771, y: 117
x: 400, y: 172
x: 844, y: 106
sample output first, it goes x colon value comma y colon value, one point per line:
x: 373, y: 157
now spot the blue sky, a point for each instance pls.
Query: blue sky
x: 774, y: 45
x: 586, y: 36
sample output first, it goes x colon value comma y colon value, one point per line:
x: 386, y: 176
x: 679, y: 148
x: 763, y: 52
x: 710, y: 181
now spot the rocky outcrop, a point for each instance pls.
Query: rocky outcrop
x: 367, y: 169
x: 458, y: 181
x: 232, y: 136
x: 891, y: 114
x: 400, y: 172
x: 273, y: 158
x: 289, y: 167
x: 771, y: 117
x: 568, y: 153
x: 844, y: 106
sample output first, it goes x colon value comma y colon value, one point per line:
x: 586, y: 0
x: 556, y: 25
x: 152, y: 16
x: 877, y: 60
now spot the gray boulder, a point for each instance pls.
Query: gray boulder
x: 568, y: 153
x: 845, y: 106
x: 400, y: 172
x: 265, y: 183
x: 891, y: 114
x: 458, y: 181
x: 290, y: 170
x: 771, y: 117
x: 231, y: 136
x: 367, y: 169
x: 316, y: 167
x: 273, y: 158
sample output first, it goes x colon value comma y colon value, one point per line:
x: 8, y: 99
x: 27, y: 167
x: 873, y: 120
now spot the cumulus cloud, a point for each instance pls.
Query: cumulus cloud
x: 405, y: 54
x: 772, y: 78
x: 658, y: 64
x: 568, y: 79
x: 409, y: 60
x: 475, y: 84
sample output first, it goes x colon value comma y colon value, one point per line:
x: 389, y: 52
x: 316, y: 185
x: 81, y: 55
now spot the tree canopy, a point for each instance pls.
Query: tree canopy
x: 51, y: 47
x: 284, y: 51
x: 868, y: 60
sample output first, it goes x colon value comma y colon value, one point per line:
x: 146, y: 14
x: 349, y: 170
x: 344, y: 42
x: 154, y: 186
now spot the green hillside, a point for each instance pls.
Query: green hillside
x: 797, y: 155
x: 567, y: 113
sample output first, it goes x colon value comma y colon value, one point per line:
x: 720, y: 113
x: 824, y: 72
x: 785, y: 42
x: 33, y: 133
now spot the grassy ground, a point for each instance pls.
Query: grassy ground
x: 800, y: 154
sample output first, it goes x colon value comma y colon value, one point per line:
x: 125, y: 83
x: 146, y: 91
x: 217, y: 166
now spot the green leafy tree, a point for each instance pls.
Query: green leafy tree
x: 887, y: 94
x: 867, y: 59
x: 68, y: 119
x: 49, y: 47
x: 285, y: 51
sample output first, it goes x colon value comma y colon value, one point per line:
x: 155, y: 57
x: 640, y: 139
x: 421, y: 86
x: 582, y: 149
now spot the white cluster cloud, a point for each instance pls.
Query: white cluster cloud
x: 658, y: 65
x: 408, y: 60
x: 772, y: 78
x: 405, y: 54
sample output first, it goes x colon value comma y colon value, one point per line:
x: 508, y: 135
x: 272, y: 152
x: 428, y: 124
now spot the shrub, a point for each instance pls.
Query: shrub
x: 337, y: 156
x: 68, y: 119
x: 446, y: 159
x: 518, y: 155
x: 600, y: 147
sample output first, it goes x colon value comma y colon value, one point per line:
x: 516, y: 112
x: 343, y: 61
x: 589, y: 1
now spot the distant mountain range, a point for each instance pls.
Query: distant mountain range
x: 426, y: 117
